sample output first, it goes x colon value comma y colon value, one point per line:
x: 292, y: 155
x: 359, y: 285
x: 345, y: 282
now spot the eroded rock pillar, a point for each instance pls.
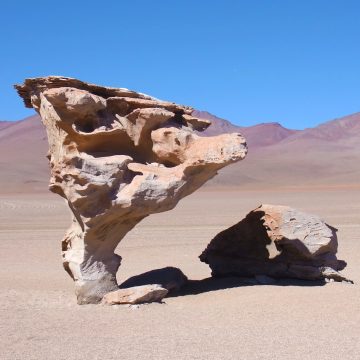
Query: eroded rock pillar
x: 117, y: 156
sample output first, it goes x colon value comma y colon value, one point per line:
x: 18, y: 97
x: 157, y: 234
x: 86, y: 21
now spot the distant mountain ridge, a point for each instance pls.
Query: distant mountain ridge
x: 218, y: 125
x: 5, y: 124
x: 334, y: 130
x: 326, y: 155
x: 264, y: 134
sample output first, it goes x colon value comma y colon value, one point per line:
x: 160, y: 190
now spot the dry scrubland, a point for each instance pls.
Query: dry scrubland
x: 214, y: 320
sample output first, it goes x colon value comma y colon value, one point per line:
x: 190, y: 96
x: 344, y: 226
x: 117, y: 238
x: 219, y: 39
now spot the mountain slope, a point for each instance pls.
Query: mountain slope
x: 218, y: 125
x: 256, y: 136
x: 23, y: 147
x: 5, y: 124
x: 327, y: 155
x: 341, y: 129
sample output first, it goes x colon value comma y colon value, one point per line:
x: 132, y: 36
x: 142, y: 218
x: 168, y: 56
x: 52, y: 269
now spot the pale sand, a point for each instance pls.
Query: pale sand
x: 41, y: 320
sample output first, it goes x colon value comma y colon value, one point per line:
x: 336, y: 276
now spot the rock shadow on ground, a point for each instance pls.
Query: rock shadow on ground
x: 176, y: 282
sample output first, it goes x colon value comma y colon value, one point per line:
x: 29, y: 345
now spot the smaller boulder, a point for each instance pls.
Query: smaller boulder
x: 278, y: 242
x: 135, y: 295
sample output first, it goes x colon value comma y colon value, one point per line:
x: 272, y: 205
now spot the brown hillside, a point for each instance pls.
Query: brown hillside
x: 327, y: 155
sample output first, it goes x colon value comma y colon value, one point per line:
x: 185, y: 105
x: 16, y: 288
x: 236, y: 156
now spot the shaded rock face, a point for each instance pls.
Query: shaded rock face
x: 276, y: 241
x: 117, y: 156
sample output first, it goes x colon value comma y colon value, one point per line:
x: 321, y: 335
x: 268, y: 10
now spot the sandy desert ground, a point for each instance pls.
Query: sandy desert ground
x: 212, y: 320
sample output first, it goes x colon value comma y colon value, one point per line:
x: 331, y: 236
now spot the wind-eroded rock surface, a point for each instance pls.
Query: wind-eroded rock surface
x: 276, y: 241
x: 117, y: 156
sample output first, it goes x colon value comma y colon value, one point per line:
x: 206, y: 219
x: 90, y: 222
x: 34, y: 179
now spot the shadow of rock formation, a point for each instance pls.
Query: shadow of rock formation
x: 174, y: 280
x: 195, y: 287
x: 170, y: 278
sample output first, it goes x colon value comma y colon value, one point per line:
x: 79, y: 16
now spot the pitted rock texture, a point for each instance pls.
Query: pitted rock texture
x: 117, y: 156
x: 276, y: 241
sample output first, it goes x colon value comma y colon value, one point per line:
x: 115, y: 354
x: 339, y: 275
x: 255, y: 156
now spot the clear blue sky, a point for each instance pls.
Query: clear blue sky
x: 296, y: 62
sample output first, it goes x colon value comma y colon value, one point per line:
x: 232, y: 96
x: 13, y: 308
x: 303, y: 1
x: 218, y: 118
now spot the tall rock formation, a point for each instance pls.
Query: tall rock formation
x: 117, y: 156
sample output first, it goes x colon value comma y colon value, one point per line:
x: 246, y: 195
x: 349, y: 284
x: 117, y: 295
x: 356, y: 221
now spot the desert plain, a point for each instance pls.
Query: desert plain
x: 211, y: 319
x: 316, y: 170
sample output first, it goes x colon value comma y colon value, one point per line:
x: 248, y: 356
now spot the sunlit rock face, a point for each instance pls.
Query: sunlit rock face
x: 117, y: 156
x: 276, y: 241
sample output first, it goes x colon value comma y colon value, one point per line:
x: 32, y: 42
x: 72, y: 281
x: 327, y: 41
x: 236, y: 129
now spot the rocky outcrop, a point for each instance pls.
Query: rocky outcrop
x: 279, y: 242
x: 135, y: 295
x: 117, y: 156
